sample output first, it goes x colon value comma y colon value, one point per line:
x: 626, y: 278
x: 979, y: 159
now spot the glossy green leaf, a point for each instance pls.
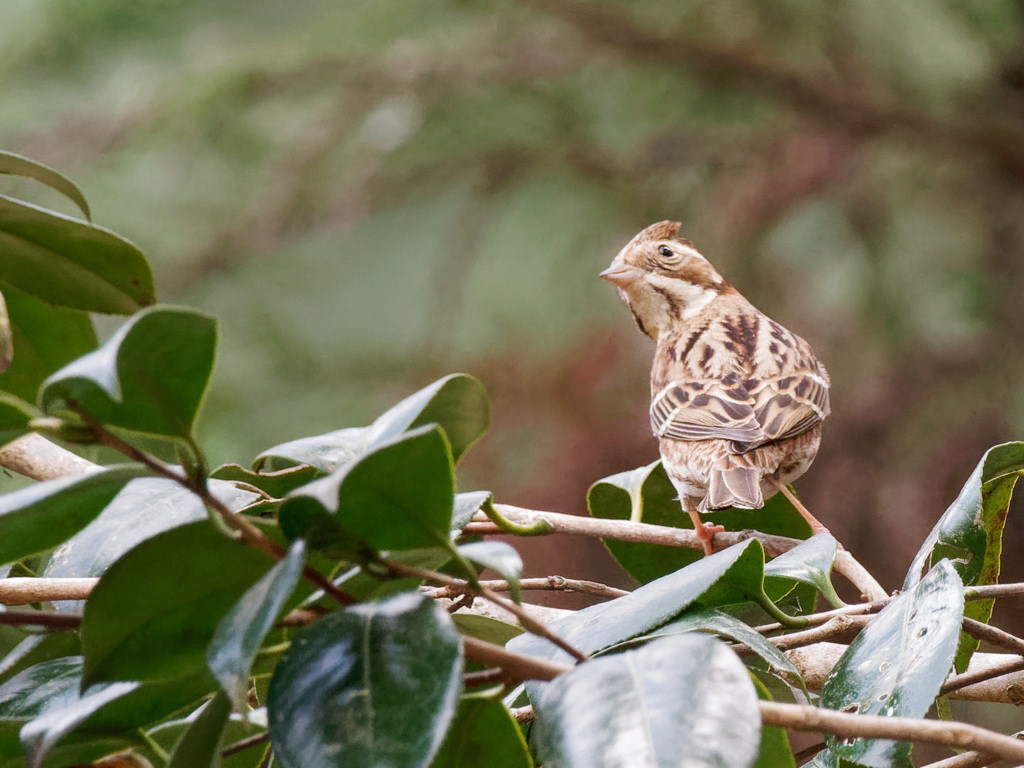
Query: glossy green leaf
x: 398, y: 496
x: 240, y: 633
x: 70, y: 263
x: 466, y: 505
x: 66, y: 727
x: 365, y: 584
x: 970, y: 533
x: 898, y: 663
x: 144, y: 508
x: 486, y: 628
x: 457, y: 403
x: 42, y: 516
x: 501, y: 557
x: 483, y: 735
x: 44, y: 337
x: 646, y: 495
x: 19, y: 165
x: 35, y: 649
x: 277, y: 484
x: 717, y: 622
x: 150, y: 377
x: 200, y: 745
x: 374, y: 685
x: 679, y: 701
x: 601, y: 626
x: 191, y: 576
x: 168, y: 733
x: 810, y: 562
x: 15, y: 414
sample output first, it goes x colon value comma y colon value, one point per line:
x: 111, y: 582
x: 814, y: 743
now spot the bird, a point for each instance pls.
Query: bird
x: 737, y: 400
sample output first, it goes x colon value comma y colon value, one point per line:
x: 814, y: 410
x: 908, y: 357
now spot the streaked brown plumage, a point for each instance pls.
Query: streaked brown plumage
x: 737, y: 401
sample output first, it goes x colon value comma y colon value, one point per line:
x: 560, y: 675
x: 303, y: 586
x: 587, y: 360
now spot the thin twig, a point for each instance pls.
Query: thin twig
x: 249, y: 533
x: 528, y: 622
x: 245, y: 743
x: 804, y: 717
x: 544, y: 583
x: 994, y: 635
x: 517, y: 667
x: 23, y: 590
x: 835, y: 628
x: 956, y: 682
x: 36, y: 457
x: 965, y: 760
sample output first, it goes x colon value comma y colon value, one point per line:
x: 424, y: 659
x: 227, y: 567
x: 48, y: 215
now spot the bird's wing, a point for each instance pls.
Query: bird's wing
x: 706, y: 409
x: 786, y: 406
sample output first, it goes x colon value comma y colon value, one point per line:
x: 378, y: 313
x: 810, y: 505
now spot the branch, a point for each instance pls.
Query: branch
x: 49, y: 619
x: 546, y: 583
x: 627, y: 530
x: 36, y: 457
x: 804, y: 717
x: 27, y: 590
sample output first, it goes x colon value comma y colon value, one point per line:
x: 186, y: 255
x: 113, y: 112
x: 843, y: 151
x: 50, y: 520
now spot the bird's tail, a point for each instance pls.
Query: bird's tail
x: 733, y: 487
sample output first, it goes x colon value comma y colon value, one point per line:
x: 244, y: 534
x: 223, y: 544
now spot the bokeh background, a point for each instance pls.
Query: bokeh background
x: 373, y: 193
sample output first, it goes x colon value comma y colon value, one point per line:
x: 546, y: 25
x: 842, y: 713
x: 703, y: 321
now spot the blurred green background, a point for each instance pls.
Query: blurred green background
x: 369, y: 195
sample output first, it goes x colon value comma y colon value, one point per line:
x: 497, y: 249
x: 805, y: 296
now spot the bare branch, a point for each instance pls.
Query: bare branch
x: 546, y: 583
x: 803, y: 717
x: 34, y: 456
x: 26, y: 590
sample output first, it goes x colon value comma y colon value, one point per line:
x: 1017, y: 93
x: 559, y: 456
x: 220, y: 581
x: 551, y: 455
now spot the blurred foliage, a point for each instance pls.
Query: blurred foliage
x: 369, y: 194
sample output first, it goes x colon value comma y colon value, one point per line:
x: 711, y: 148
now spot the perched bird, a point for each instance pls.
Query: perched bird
x: 737, y: 401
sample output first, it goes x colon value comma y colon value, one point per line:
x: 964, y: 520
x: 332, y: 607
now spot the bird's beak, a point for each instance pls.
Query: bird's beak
x: 621, y: 275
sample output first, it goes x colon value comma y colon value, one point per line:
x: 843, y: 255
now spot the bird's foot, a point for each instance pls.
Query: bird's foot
x: 706, y: 533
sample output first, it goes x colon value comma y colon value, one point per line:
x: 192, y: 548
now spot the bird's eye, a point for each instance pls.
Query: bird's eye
x: 665, y: 251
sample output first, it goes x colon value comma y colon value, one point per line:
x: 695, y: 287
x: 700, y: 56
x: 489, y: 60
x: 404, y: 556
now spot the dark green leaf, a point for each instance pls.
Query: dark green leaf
x: 277, y: 484
x: 365, y: 584
x: 679, y: 701
x: 486, y: 628
x: 500, y: 557
x: 603, y: 625
x: 719, y: 623
x: 169, y: 733
x: 373, y: 685
x: 484, y: 735
x: 240, y: 633
x: 898, y: 663
x: 970, y: 533
x: 45, y: 338
x: 191, y: 576
x: 18, y: 165
x: 144, y: 508
x: 150, y: 376
x: 15, y: 414
x: 398, y: 496
x: 457, y: 403
x: 808, y: 563
x: 42, y: 516
x: 646, y: 495
x: 38, y: 648
x: 70, y: 263
x: 200, y: 745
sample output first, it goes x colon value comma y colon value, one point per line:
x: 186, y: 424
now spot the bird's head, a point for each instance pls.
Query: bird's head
x: 663, y: 279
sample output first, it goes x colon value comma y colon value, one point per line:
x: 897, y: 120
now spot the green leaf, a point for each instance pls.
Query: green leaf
x: 679, y: 701
x: 398, y: 496
x: 18, y: 165
x: 150, y: 377
x: 276, y: 484
x: 810, y: 562
x: 500, y: 557
x: 42, y: 516
x: 601, y: 626
x: 240, y: 633
x: 486, y: 628
x: 720, y: 623
x: 466, y: 505
x: 199, y: 746
x: 15, y: 415
x: 970, y: 533
x: 375, y: 684
x: 483, y: 735
x: 898, y: 663
x: 144, y: 508
x: 70, y: 263
x: 191, y: 576
x: 646, y: 495
x: 38, y: 648
x: 168, y: 733
x: 44, y: 338
x: 775, y: 751
x: 457, y: 403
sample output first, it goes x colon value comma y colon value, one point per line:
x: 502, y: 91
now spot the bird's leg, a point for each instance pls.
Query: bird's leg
x: 816, y: 527
x: 705, y: 531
